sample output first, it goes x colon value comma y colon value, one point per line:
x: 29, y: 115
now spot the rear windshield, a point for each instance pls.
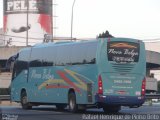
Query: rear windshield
x: 123, y: 52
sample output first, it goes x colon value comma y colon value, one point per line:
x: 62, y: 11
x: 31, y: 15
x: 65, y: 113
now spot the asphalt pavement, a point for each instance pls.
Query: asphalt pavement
x: 145, y: 112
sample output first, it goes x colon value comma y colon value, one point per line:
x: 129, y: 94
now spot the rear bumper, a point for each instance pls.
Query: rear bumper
x: 131, y: 101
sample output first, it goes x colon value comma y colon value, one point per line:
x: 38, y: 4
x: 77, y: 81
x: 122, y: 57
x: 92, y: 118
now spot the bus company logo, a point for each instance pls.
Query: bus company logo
x: 122, y: 45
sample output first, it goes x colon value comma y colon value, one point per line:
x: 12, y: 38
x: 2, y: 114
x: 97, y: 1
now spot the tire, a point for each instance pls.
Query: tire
x: 24, y: 101
x: 61, y: 106
x: 111, y: 109
x: 72, y: 102
x: 81, y: 108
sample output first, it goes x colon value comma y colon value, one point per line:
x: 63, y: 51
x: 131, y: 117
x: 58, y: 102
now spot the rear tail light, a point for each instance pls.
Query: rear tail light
x: 143, y: 89
x: 100, y: 85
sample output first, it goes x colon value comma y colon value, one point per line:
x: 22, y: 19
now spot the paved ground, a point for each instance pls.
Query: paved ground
x: 50, y: 113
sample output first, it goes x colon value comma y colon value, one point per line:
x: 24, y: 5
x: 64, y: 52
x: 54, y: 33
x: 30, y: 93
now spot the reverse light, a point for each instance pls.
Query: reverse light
x: 143, y: 88
x: 100, y: 85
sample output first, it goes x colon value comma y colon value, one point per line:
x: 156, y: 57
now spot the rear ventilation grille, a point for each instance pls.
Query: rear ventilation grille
x: 123, y: 68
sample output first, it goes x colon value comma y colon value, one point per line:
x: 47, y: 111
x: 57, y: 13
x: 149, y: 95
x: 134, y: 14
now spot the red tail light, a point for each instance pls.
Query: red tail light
x: 100, y: 85
x: 143, y: 89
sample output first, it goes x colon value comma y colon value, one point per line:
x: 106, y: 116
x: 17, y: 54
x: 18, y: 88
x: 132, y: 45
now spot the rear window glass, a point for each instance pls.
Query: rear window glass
x: 123, y: 52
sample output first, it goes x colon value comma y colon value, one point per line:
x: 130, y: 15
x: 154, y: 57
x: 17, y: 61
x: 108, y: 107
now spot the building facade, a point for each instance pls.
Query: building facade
x: 1, y: 37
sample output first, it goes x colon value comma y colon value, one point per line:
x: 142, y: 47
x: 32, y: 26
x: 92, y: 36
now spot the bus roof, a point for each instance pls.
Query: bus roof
x: 63, y: 43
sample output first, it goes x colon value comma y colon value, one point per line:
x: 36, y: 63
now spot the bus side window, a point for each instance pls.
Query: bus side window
x: 14, y: 71
x: 35, y: 63
x: 18, y: 68
x: 13, y: 67
x: 47, y: 63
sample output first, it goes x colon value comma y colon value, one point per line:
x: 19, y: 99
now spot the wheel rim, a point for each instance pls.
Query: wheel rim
x: 24, y: 100
x: 71, y: 104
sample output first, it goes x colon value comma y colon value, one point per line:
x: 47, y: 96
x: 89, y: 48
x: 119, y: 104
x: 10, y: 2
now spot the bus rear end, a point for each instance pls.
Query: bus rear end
x: 122, y: 67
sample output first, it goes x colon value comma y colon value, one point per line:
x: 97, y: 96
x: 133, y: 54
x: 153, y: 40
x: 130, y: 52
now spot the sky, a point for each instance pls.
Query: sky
x: 122, y: 18
x: 139, y: 19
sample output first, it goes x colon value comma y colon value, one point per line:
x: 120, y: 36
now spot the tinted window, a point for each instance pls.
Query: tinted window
x: 35, y: 63
x: 19, y: 66
x: 123, y: 52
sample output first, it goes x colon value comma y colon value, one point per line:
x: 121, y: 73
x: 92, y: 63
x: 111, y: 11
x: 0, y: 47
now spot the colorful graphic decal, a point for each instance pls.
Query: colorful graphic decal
x: 122, y: 45
x: 80, y: 81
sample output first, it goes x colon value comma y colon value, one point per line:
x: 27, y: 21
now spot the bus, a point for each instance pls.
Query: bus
x: 103, y: 73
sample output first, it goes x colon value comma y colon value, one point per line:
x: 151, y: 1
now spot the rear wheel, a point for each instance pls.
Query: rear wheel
x: 82, y: 108
x: 72, y: 102
x: 24, y: 101
x: 111, y: 109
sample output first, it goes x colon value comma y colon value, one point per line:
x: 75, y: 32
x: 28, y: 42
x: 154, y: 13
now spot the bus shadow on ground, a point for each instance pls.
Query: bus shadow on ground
x: 66, y: 111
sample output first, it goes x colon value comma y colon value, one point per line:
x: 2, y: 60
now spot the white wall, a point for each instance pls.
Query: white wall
x: 5, y: 80
x: 151, y: 84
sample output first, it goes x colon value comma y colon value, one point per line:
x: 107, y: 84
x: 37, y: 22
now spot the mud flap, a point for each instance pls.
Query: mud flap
x: 89, y: 92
